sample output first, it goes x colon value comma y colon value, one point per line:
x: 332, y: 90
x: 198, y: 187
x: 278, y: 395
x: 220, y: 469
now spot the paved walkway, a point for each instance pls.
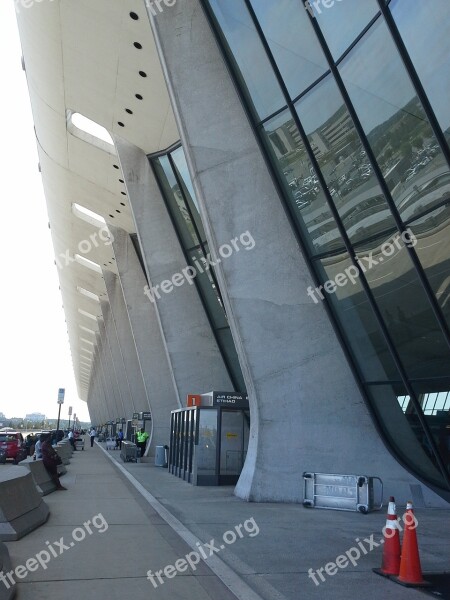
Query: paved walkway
x: 143, y: 518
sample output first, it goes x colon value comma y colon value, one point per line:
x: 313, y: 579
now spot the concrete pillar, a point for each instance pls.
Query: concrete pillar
x: 126, y: 343
x: 103, y: 411
x: 117, y: 358
x: 307, y: 413
x: 146, y: 333
x: 110, y: 375
x: 195, y: 360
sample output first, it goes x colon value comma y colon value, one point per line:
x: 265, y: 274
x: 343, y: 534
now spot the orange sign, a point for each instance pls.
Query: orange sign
x: 194, y: 400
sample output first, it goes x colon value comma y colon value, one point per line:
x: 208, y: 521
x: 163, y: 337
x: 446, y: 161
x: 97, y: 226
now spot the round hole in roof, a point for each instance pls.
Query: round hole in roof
x: 137, y: 45
x: 139, y: 97
x: 142, y: 73
x: 120, y: 123
x: 134, y: 16
x: 130, y: 112
x: 116, y: 166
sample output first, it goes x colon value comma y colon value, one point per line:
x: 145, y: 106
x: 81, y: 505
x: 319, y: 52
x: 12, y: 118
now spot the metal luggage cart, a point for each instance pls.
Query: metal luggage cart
x: 79, y: 443
x: 130, y: 452
x: 342, y: 492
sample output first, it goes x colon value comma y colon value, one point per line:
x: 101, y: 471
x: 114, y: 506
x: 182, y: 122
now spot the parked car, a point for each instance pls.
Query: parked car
x: 12, y: 443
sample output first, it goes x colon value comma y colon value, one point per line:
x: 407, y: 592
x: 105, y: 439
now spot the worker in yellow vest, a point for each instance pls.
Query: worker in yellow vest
x: 141, y: 440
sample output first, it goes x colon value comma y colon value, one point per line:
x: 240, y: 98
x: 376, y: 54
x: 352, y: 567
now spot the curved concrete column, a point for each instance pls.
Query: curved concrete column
x: 195, y: 360
x: 117, y: 360
x: 146, y: 333
x: 300, y: 420
x: 126, y: 343
x: 21, y: 507
x: 110, y: 409
x: 110, y: 373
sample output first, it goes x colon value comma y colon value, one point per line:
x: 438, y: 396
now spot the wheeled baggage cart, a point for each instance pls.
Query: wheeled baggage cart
x: 130, y: 452
x: 342, y: 492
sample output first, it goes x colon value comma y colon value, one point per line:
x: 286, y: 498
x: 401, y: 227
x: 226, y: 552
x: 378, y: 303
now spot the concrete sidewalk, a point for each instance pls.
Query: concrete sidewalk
x: 127, y: 538
x: 143, y: 518
x: 293, y: 539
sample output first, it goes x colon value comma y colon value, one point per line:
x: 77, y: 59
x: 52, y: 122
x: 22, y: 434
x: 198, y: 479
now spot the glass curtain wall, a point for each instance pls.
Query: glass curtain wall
x: 354, y: 119
x: 178, y: 192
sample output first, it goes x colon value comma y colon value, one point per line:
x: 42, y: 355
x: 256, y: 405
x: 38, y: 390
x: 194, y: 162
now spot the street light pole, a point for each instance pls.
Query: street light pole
x: 57, y: 425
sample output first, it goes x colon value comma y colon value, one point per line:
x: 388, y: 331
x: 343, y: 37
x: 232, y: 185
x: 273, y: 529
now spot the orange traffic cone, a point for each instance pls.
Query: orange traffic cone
x: 410, y: 570
x: 391, y: 551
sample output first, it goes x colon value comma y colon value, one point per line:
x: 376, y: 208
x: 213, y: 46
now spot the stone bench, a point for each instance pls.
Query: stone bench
x: 42, y: 479
x: 22, y: 509
x: 6, y: 593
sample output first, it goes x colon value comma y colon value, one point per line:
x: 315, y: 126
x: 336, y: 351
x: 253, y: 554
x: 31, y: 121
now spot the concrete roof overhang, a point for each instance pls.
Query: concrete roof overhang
x: 80, y: 56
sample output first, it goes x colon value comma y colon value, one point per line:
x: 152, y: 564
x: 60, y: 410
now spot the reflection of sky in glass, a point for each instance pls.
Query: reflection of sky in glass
x: 298, y: 55
x: 342, y: 22
x: 164, y: 161
x: 245, y: 44
x: 425, y: 28
x: 316, y: 108
x: 180, y: 161
x: 375, y: 78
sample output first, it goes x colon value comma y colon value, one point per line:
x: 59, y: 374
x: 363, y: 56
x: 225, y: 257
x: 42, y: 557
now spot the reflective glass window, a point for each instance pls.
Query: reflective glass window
x: 299, y: 57
x: 424, y: 28
x: 308, y: 202
x: 179, y: 160
x: 343, y: 290
x: 404, y: 431
x: 343, y: 162
x: 173, y: 194
x: 402, y: 301
x: 395, y: 122
x: 341, y: 21
x: 432, y: 232
x: 257, y: 75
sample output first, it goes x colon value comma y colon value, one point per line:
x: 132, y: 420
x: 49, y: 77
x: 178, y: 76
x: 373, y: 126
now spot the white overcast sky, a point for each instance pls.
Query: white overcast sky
x: 36, y: 358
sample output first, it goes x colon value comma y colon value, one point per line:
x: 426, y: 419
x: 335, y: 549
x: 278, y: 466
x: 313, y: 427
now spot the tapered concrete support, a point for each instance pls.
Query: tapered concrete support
x: 110, y: 375
x: 195, y: 360
x: 108, y: 410
x: 117, y: 359
x: 300, y: 420
x: 126, y: 343
x: 147, y: 338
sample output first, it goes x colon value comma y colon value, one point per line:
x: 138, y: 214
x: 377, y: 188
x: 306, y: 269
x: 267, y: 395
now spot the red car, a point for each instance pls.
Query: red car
x: 11, y: 446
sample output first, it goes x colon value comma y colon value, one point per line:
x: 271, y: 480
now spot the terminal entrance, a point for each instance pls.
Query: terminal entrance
x: 209, y: 441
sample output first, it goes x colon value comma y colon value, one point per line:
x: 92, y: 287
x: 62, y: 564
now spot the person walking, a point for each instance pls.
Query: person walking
x: 71, y: 440
x: 142, y: 437
x: 119, y: 439
x: 92, y: 434
x: 51, y: 461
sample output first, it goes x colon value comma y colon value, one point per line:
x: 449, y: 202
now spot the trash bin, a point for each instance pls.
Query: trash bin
x: 161, y: 456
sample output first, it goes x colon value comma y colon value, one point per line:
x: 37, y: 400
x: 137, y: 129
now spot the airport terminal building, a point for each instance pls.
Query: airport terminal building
x: 262, y: 207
